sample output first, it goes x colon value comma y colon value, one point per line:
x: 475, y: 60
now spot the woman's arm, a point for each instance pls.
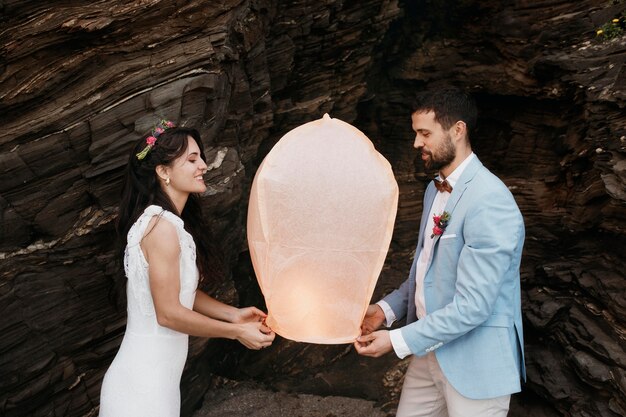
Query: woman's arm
x: 162, y: 252
x: 210, y: 307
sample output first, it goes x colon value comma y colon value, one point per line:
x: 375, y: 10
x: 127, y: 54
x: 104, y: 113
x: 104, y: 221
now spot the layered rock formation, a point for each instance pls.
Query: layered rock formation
x: 552, y: 126
x: 79, y: 83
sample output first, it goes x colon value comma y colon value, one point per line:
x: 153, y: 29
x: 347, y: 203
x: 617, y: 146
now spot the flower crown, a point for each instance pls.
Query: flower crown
x: 151, y: 140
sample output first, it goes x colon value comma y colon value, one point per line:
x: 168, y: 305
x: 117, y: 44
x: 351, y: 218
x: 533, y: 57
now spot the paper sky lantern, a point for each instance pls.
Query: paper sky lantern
x: 321, y: 215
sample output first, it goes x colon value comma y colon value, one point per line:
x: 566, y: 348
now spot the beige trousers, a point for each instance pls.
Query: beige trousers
x: 427, y: 393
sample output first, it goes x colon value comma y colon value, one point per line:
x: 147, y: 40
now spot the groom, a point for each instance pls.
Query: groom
x: 462, y: 297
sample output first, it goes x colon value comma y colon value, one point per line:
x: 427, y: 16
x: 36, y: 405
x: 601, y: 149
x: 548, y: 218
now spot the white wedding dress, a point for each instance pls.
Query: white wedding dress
x: 144, y: 378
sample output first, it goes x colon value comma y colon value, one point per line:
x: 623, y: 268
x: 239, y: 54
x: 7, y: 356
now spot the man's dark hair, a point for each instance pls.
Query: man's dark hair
x: 450, y: 104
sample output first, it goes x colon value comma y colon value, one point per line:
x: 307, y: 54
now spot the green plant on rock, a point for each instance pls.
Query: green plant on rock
x: 613, y: 29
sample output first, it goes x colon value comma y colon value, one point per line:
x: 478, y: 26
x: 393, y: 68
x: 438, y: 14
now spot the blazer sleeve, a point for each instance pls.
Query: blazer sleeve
x: 398, y: 300
x: 493, y: 232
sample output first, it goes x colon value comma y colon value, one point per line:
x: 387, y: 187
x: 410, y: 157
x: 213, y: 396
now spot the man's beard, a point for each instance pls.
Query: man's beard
x: 445, y: 155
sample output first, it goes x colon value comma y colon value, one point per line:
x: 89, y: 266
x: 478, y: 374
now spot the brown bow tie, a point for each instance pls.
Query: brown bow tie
x: 443, y: 186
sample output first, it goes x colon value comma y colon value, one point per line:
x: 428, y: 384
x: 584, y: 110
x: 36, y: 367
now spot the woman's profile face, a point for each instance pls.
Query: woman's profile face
x: 186, y: 172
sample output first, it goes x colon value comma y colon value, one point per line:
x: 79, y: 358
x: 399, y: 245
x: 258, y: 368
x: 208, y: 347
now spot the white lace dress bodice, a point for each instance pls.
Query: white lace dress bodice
x: 144, y: 378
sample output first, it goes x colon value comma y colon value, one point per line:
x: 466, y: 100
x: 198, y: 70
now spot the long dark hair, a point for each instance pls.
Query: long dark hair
x: 142, y: 189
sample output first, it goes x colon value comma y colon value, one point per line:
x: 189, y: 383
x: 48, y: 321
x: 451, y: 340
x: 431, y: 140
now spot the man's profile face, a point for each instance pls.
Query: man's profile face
x: 432, y: 140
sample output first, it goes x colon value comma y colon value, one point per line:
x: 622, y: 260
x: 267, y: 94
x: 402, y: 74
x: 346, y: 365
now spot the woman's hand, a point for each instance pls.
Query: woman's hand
x: 247, y: 315
x: 254, y: 334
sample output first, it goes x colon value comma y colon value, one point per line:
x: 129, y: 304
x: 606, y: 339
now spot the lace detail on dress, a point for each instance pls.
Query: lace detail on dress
x: 136, y: 266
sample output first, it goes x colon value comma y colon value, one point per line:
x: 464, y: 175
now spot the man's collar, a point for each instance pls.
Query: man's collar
x: 456, y: 174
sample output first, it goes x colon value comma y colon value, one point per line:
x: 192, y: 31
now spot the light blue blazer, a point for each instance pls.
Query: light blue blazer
x: 471, y: 289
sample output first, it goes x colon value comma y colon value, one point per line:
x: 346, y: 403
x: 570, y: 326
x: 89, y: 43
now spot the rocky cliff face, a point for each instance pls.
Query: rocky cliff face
x: 79, y: 83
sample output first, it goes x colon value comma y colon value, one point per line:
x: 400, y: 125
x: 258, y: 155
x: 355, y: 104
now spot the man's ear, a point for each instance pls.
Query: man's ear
x: 459, y: 130
x: 162, y: 171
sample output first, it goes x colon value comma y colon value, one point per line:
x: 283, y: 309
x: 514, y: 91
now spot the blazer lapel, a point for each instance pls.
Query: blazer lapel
x: 429, y: 198
x: 468, y: 174
x: 457, y: 192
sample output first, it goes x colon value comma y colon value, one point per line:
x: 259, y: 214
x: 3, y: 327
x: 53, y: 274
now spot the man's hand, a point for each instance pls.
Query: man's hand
x: 374, y: 318
x: 374, y: 344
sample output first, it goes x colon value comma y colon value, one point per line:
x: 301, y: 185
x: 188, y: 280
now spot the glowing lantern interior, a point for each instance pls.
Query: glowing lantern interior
x: 321, y: 215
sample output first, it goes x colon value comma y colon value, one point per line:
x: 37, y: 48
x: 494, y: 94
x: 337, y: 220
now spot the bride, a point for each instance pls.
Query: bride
x: 161, y: 221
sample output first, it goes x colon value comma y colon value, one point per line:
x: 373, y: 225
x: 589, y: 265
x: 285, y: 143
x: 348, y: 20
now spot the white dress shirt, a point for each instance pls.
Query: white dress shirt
x: 441, y: 199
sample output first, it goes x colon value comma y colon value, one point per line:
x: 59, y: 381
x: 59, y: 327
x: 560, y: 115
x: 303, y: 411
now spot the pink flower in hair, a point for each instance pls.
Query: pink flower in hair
x: 151, y: 140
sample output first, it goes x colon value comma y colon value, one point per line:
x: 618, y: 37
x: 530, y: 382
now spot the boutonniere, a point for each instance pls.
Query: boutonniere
x: 441, y: 221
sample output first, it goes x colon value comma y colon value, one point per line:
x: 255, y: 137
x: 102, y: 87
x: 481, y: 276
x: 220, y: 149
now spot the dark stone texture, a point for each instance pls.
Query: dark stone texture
x: 79, y: 83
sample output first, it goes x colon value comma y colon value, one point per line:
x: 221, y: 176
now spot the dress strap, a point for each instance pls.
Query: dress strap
x: 184, y: 237
x: 143, y: 221
x: 171, y: 217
